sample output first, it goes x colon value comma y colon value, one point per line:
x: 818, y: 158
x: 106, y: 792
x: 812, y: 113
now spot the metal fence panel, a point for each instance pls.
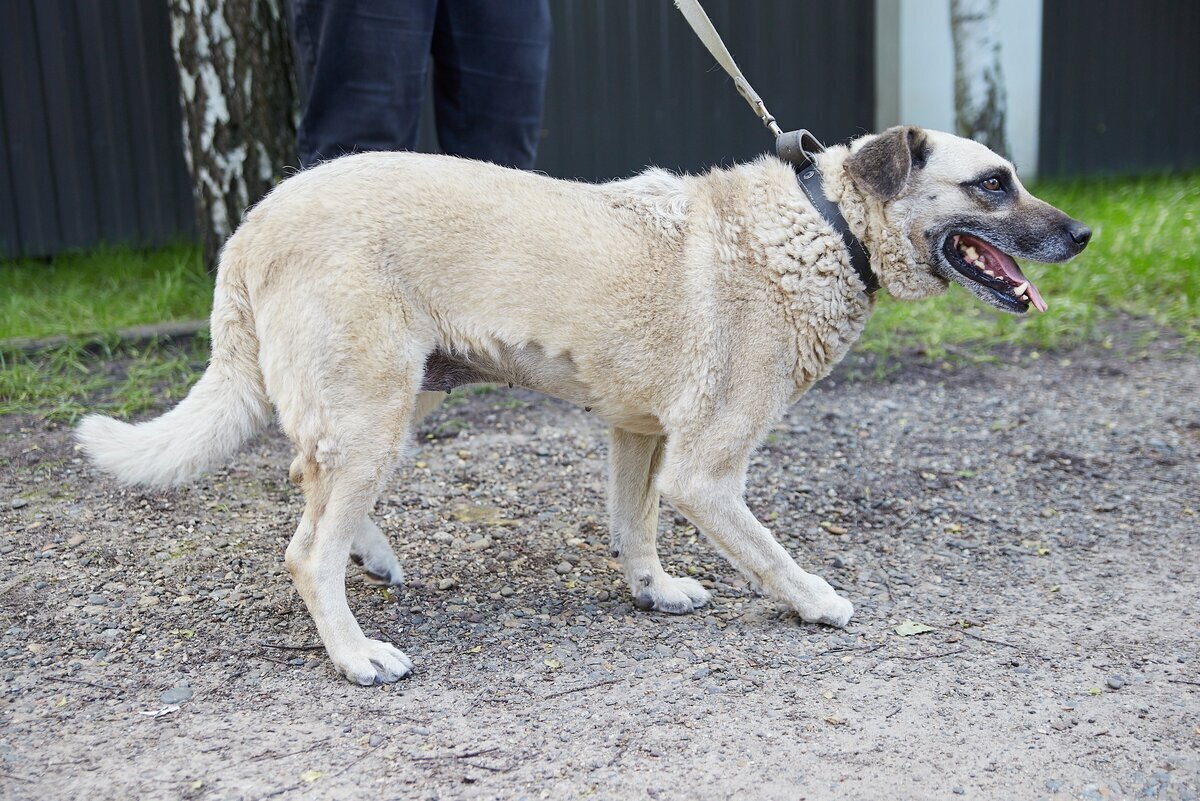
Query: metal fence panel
x: 630, y: 84
x: 89, y: 117
x: 89, y: 127
x: 1120, y: 86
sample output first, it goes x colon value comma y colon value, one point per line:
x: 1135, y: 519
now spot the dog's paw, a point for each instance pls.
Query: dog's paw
x: 674, y: 596
x: 371, y: 662
x: 832, y: 610
x: 382, y: 571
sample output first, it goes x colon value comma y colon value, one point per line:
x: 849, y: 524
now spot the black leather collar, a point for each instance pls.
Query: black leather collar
x: 796, y: 147
x: 809, y: 178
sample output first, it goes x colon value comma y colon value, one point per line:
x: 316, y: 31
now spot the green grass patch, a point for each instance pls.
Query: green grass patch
x: 66, y: 382
x: 1143, y: 261
x: 100, y: 291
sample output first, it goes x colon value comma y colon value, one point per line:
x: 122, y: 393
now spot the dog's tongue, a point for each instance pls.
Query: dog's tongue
x: 1001, y: 262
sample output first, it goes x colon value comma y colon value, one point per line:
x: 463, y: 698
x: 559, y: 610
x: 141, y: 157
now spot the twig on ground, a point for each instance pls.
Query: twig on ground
x: 861, y: 649
x: 466, y: 755
x: 919, y: 657
x: 260, y: 757
x: 561, y: 693
x: 966, y: 633
x: 65, y: 680
x: 1184, y: 681
x: 283, y: 647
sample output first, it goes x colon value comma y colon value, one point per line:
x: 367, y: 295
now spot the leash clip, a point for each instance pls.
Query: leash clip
x: 798, y: 148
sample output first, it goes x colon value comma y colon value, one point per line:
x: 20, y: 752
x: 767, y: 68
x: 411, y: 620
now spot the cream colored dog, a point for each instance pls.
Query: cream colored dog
x: 686, y: 311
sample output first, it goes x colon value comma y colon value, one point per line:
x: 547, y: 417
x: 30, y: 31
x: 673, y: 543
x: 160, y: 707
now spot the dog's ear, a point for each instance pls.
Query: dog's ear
x: 884, y: 164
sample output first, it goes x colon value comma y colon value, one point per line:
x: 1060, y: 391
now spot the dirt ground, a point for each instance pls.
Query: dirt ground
x: 1039, y: 515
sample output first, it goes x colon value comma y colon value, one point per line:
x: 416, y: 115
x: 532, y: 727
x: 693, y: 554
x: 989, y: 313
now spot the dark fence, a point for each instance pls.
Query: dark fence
x: 89, y: 117
x: 89, y: 127
x: 1120, y: 86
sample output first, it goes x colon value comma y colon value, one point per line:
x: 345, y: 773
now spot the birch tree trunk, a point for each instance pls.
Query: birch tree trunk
x: 980, y: 99
x: 239, y: 106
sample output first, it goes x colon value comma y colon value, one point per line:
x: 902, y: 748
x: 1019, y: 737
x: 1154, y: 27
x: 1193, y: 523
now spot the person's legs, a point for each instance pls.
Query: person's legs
x: 489, y: 78
x: 361, y: 66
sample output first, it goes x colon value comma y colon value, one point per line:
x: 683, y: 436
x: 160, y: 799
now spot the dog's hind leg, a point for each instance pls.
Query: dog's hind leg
x: 633, y: 517
x: 370, y: 549
x: 348, y: 452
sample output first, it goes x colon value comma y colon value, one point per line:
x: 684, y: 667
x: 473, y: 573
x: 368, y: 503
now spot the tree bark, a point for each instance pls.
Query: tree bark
x: 980, y: 98
x: 238, y: 93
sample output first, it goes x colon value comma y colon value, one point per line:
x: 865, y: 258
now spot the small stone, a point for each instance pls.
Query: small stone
x: 17, y: 503
x: 957, y: 790
x: 76, y: 541
x: 375, y: 740
x: 148, y: 600
x: 1115, y: 682
x: 176, y: 695
x: 563, y: 568
x: 446, y: 584
x: 507, y: 591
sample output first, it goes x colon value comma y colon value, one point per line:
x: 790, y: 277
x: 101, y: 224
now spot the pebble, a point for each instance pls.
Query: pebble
x: 17, y: 503
x: 563, y: 568
x: 446, y: 584
x: 76, y: 541
x: 1115, y: 682
x: 507, y: 591
x: 176, y: 695
x: 375, y: 740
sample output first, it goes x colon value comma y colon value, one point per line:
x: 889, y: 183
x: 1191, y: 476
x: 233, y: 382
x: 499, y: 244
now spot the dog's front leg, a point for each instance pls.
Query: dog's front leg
x: 707, y: 485
x: 633, y: 519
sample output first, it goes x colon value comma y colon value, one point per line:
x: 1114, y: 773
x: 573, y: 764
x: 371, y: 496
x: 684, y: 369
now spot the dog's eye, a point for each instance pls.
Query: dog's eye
x: 992, y: 184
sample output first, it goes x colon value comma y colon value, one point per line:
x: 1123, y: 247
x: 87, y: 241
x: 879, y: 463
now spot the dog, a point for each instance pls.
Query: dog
x: 687, y: 311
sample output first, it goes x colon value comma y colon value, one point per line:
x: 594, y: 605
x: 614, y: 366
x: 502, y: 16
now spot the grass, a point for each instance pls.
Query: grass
x: 67, y: 381
x: 1144, y: 262
x: 102, y: 291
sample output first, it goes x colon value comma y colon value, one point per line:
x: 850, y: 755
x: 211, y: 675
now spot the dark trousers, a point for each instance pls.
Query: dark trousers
x: 362, y: 68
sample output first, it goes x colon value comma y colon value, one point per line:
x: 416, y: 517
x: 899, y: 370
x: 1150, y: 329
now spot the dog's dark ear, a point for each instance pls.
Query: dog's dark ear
x: 883, y: 165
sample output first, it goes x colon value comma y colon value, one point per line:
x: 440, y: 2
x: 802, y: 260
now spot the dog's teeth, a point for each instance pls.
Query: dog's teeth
x: 1019, y: 291
x: 989, y: 272
x: 971, y: 254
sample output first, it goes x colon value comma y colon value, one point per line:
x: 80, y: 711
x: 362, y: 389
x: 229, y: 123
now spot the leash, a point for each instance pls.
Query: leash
x: 797, y: 148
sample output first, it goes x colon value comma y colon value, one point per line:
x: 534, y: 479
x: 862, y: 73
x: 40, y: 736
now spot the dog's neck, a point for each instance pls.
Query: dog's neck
x: 887, y: 246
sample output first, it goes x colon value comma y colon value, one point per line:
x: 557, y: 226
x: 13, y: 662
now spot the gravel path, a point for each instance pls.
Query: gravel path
x: 1039, y: 516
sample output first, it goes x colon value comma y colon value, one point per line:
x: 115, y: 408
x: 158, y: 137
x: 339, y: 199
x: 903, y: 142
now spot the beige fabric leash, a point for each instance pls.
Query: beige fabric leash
x: 702, y: 25
x: 798, y: 148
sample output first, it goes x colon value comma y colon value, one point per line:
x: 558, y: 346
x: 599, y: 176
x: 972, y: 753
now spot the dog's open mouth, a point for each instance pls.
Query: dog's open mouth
x: 994, y: 270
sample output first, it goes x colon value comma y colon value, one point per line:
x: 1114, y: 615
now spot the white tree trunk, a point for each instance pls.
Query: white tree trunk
x: 237, y: 90
x: 980, y: 99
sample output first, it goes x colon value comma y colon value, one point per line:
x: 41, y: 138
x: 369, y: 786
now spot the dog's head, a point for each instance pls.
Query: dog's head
x: 955, y: 211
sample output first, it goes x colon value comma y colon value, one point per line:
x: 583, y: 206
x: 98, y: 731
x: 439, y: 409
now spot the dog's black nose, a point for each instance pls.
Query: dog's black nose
x: 1080, y: 233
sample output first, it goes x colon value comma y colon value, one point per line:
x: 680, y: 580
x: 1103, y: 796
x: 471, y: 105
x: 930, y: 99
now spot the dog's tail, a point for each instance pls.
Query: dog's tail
x: 226, y: 407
